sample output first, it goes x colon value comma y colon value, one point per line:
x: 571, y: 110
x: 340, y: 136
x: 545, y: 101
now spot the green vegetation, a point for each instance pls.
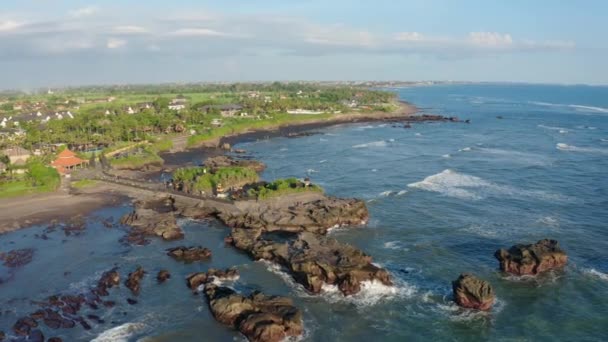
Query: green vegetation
x: 199, y: 179
x: 162, y: 145
x: 281, y: 187
x: 137, y: 160
x: 38, y: 178
x: 83, y: 183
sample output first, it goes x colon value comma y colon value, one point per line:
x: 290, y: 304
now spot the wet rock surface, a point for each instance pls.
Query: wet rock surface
x: 315, y: 261
x: 531, y: 259
x: 314, y: 213
x: 257, y: 316
x: 189, y: 254
x: 154, y: 217
x: 162, y: 276
x: 195, y: 280
x: 133, y: 282
x: 473, y: 293
x: 108, y: 280
x: 17, y: 258
x: 217, y: 162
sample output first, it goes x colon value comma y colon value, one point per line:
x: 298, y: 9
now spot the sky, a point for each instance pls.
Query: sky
x: 53, y: 43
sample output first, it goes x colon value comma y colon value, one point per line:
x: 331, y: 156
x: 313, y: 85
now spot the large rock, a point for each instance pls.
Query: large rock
x: 315, y: 261
x: 134, y: 280
x: 531, y: 259
x: 310, y: 212
x: 195, y: 280
x: 215, y: 163
x: 152, y: 218
x: 259, y: 317
x: 17, y: 258
x: 189, y: 254
x: 108, y: 280
x: 473, y: 293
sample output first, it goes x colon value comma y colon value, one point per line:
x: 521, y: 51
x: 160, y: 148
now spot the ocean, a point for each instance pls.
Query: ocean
x: 531, y: 164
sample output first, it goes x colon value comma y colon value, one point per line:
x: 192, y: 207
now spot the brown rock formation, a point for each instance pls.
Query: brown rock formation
x: 531, y: 259
x: 152, y: 218
x: 473, y: 293
x: 259, y: 317
x: 134, y: 280
x: 189, y: 254
x: 195, y: 280
x: 162, y: 276
x: 215, y: 163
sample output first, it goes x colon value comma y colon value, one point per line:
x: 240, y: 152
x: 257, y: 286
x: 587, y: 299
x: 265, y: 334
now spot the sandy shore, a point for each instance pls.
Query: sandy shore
x: 21, y: 212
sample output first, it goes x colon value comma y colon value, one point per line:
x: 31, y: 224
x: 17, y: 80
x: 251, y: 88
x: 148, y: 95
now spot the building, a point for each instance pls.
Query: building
x: 17, y: 155
x: 227, y: 111
x: 67, y: 161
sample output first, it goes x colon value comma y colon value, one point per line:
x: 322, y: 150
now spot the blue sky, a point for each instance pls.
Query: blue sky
x: 49, y: 43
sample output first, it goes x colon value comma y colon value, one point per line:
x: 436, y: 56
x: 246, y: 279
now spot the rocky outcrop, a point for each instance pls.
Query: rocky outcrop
x: 162, y: 276
x: 259, y: 317
x: 314, y: 213
x: 531, y: 259
x: 152, y: 218
x: 133, y: 282
x: 215, y: 163
x: 473, y: 293
x: 189, y: 254
x: 315, y: 261
x: 17, y: 258
x: 108, y: 280
x: 195, y: 280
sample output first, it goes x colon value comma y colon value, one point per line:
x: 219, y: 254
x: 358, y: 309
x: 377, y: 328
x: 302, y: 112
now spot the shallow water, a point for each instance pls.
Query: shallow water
x: 442, y: 198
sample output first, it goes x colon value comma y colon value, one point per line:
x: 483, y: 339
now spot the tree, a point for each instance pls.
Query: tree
x: 92, y: 160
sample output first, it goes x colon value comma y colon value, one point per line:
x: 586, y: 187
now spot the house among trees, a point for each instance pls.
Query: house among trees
x: 178, y: 103
x: 16, y: 155
x: 227, y: 111
x: 67, y: 161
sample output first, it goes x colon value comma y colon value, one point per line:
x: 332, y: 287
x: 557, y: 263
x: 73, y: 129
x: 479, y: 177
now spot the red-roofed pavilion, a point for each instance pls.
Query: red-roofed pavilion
x: 67, y: 161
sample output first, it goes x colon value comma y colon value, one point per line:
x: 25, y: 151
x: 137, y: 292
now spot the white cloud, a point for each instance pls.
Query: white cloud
x: 129, y: 29
x: 409, y: 37
x: 83, y: 12
x: 197, y: 32
x: 115, y: 43
x: 9, y: 25
x: 493, y: 39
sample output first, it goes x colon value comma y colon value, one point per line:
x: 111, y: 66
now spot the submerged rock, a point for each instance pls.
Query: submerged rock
x: 189, y: 254
x: 315, y: 261
x: 134, y: 280
x: 259, y: 317
x: 108, y: 280
x: 24, y: 325
x: 17, y: 258
x: 162, y: 276
x: 152, y: 218
x: 473, y: 293
x: 195, y: 280
x: 531, y: 259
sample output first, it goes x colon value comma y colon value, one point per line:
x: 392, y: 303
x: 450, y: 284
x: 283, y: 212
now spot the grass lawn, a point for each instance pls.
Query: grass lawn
x: 83, y: 183
x: 20, y: 188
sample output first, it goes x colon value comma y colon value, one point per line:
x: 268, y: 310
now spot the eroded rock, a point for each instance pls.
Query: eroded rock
x: 17, y: 258
x: 531, y: 259
x: 215, y: 163
x: 189, y: 254
x: 473, y: 293
x: 133, y: 282
x: 162, y: 276
x: 195, y: 280
x: 257, y: 316
x: 152, y: 218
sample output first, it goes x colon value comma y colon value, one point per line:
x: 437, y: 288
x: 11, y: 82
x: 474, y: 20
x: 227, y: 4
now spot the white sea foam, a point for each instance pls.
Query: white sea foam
x: 572, y: 148
x: 120, y: 333
x: 458, y: 314
x: 380, y: 143
x: 321, y: 139
x: 589, y: 108
x: 576, y: 107
x: 595, y: 273
x: 396, y: 245
x: 372, y: 292
x: 283, y: 149
x: 549, y: 221
x: 453, y: 184
x: 563, y: 131
x: 551, y: 128
x: 374, y: 170
x: 386, y: 193
x: 322, y: 161
x: 604, y: 140
x: 446, y: 156
x: 418, y: 134
x: 516, y: 156
x: 466, y: 149
x: 402, y: 192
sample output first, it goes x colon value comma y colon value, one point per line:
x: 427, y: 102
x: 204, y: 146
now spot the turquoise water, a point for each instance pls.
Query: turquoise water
x: 442, y: 198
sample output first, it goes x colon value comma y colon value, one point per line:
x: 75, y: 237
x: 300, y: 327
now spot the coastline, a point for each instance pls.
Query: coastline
x: 18, y: 213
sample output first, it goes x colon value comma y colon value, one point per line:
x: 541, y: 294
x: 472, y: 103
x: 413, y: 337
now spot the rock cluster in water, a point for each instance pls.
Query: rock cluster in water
x: 257, y: 316
x: 195, y: 280
x: 531, y: 259
x: 133, y: 282
x: 218, y: 162
x: 189, y: 254
x: 473, y: 293
x: 152, y: 218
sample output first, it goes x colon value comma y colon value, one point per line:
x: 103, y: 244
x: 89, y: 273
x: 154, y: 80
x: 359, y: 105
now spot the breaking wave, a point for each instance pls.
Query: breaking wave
x: 120, y: 333
x: 466, y: 149
x: 576, y: 107
x: 572, y: 148
x: 381, y: 143
x: 595, y: 273
x: 396, y: 245
x: 453, y: 184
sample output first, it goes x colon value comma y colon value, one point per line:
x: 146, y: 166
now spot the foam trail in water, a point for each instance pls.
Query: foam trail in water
x: 120, y: 333
x: 466, y: 149
x: 576, y: 107
x: 380, y: 143
x: 446, y: 156
x: 572, y: 148
x: 551, y: 128
x: 595, y: 273
x: 453, y: 184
